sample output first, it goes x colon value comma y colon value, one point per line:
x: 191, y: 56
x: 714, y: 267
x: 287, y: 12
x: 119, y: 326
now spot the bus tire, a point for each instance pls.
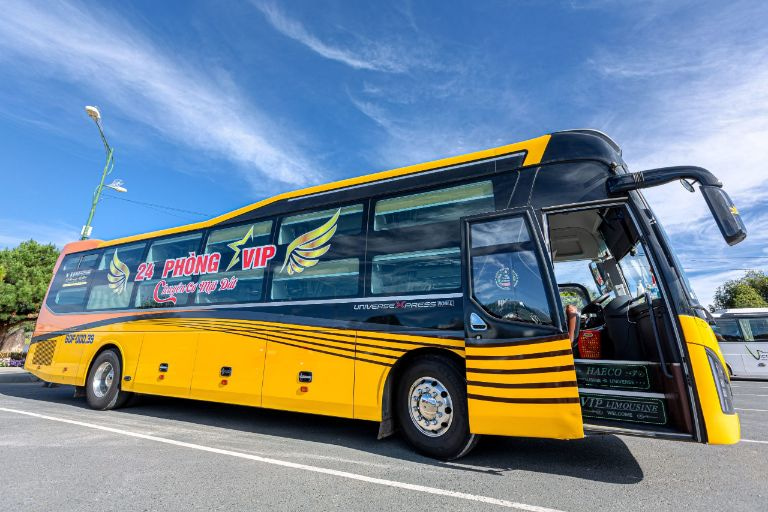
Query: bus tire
x: 432, y: 408
x: 102, y: 388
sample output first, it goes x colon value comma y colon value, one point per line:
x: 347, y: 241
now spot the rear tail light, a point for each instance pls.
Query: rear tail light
x: 723, y: 385
x: 590, y: 346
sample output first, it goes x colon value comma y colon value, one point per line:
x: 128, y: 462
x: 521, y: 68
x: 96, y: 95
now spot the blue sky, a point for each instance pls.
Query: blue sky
x: 213, y: 105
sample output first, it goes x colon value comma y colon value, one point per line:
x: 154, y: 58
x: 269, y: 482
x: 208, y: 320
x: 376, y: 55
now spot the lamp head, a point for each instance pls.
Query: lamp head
x: 93, y: 113
x: 117, y: 186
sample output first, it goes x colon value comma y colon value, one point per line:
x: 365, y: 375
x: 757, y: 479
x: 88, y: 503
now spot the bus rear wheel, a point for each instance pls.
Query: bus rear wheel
x: 432, y: 409
x: 102, y: 388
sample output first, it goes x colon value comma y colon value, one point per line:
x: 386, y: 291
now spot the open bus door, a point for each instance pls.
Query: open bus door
x: 521, y: 378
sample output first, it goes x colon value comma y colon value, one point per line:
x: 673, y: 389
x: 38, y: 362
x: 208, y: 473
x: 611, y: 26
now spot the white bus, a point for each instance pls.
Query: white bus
x: 743, y: 337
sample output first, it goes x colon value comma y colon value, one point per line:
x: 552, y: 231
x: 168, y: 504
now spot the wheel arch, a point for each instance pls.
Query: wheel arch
x: 387, y: 427
x: 110, y: 345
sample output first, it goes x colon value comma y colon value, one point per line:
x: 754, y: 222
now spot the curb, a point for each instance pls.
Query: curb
x: 17, y: 378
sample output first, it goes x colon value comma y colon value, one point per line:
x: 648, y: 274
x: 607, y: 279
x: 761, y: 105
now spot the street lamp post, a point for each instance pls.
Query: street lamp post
x: 116, y: 185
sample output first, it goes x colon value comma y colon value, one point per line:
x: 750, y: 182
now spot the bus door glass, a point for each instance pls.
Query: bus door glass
x: 520, y: 369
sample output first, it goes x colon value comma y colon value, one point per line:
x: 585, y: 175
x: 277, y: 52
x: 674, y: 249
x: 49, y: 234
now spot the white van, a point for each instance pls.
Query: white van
x: 743, y: 337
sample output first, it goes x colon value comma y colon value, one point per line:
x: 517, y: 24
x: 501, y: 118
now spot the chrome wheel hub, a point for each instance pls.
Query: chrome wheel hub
x: 430, y: 406
x: 103, y: 378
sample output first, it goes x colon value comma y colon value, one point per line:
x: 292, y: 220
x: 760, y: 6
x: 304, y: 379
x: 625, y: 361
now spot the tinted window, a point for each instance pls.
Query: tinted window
x: 506, y: 277
x: 326, y: 279
x: 129, y: 254
x: 434, y: 206
x: 70, y: 286
x: 418, y: 271
x: 177, y: 290
x: 80, y: 261
x: 114, y: 282
x: 176, y: 247
x: 243, y: 257
x: 729, y: 330
x: 171, y: 289
x: 758, y: 328
x: 108, y: 296
x: 348, y: 222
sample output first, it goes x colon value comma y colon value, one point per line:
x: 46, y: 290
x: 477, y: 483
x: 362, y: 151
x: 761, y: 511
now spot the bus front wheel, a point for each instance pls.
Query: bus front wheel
x: 102, y: 389
x: 432, y: 409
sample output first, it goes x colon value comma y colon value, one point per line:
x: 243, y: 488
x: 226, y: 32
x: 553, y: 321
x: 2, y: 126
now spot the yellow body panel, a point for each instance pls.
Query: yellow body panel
x: 177, y: 350
x: 245, y: 356
x: 370, y: 379
x: 721, y: 428
x: 330, y: 391
x: 507, y: 396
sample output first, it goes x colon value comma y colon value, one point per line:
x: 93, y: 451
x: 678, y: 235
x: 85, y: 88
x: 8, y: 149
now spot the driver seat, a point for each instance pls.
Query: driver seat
x: 622, y: 341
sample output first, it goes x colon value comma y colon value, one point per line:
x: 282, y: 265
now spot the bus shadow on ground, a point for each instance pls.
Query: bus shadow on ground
x: 603, y: 458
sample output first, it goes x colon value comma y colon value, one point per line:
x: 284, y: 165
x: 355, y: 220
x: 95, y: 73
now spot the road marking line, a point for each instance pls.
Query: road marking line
x: 753, y: 441
x: 293, y: 465
x: 754, y: 410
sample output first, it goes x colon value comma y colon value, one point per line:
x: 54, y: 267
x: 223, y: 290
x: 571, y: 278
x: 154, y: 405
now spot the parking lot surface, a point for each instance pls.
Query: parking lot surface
x: 171, y: 454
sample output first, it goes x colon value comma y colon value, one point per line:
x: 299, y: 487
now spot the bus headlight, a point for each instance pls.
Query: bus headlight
x: 722, y: 383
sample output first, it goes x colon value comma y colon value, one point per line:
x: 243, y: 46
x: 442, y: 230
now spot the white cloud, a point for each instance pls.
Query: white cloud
x: 366, y: 54
x: 14, y: 231
x: 149, y: 84
x: 409, y: 142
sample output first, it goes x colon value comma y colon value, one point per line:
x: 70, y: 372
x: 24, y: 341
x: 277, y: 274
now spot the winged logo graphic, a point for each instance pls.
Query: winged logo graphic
x: 306, y: 250
x: 118, y: 274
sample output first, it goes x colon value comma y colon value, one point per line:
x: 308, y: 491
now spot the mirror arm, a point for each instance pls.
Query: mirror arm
x: 654, y: 177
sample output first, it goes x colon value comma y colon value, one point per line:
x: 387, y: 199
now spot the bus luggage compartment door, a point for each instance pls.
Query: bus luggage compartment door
x: 521, y: 379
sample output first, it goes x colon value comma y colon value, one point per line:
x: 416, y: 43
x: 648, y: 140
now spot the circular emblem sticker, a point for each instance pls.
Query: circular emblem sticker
x: 506, y: 278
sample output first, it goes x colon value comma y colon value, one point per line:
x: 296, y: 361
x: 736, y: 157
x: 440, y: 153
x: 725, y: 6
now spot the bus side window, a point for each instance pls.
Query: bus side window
x: 160, y: 251
x: 326, y: 279
x: 319, y: 254
x: 440, y: 205
x: 729, y: 330
x: 434, y: 270
x: 759, y: 328
x: 243, y: 257
x: 113, y: 279
x: 349, y: 222
x: 70, y: 285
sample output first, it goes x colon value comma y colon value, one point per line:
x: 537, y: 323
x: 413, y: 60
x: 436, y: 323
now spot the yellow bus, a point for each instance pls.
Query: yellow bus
x: 526, y: 290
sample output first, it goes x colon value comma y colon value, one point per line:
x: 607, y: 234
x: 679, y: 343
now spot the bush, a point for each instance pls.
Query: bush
x: 12, y: 359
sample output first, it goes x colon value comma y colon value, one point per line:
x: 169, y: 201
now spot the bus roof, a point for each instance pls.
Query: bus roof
x: 537, y: 150
x: 740, y: 312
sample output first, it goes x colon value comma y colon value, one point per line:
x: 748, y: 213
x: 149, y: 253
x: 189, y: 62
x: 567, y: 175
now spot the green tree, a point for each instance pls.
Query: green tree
x: 749, y: 291
x: 25, y: 273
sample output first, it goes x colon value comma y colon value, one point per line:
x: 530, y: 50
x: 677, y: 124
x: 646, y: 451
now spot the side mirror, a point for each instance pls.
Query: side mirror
x: 725, y: 213
x: 720, y: 205
x: 574, y: 294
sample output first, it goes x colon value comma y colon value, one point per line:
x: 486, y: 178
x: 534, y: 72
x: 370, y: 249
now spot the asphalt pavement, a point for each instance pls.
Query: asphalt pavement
x: 172, y: 454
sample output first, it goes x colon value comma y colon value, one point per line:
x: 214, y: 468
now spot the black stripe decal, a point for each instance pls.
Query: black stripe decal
x: 273, y: 328
x: 299, y: 333
x: 522, y: 371
x: 283, y: 340
x: 537, y: 355
x: 574, y: 400
x: 524, y: 385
